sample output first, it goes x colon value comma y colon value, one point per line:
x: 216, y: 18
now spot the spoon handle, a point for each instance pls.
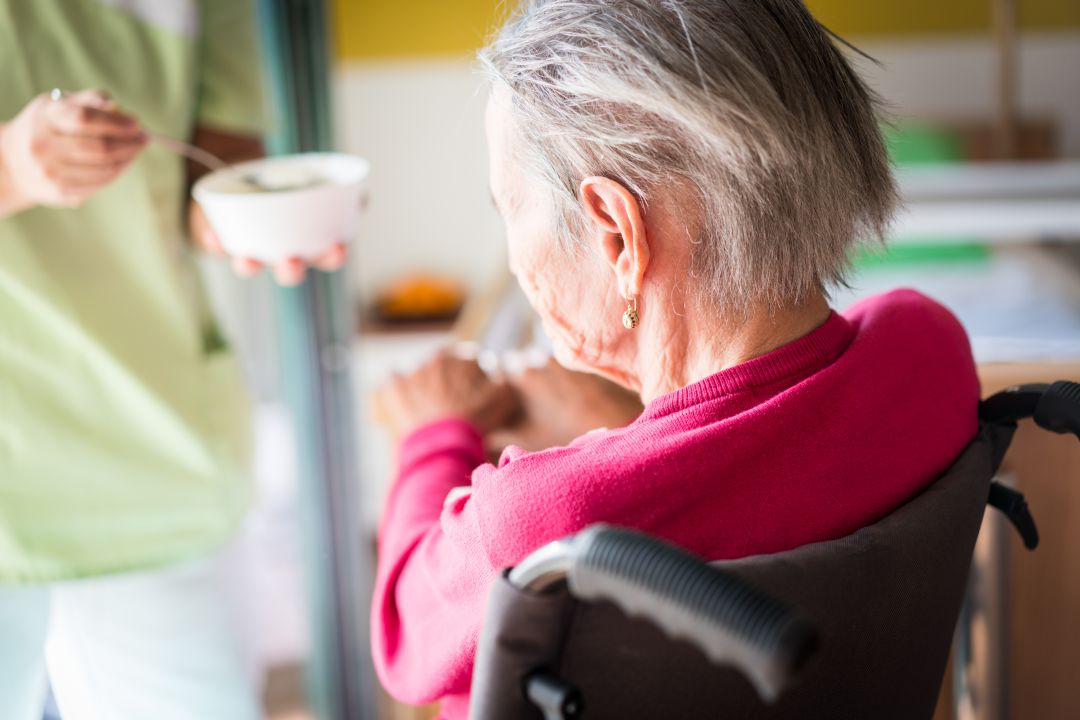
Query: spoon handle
x: 188, y: 150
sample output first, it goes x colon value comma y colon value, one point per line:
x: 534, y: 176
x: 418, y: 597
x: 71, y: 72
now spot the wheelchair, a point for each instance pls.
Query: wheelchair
x: 610, y: 623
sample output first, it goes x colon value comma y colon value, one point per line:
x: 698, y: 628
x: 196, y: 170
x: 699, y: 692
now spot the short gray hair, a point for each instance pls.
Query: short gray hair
x: 748, y: 101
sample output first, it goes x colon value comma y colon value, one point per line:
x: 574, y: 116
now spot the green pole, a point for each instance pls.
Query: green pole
x: 314, y: 326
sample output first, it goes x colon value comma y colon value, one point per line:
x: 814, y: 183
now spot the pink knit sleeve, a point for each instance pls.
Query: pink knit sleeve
x: 433, y: 571
x: 438, y: 557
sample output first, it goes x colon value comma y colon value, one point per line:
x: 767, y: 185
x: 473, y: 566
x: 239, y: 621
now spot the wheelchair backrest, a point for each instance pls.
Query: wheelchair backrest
x: 885, y: 600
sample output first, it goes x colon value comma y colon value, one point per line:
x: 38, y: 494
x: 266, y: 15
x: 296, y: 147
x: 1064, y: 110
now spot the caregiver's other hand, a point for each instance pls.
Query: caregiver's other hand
x: 559, y: 405
x: 288, y: 272
x: 60, y: 151
x: 445, y: 386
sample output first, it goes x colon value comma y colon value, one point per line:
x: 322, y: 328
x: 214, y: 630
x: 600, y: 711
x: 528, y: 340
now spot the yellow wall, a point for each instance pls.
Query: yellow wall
x: 368, y: 29
x: 408, y: 28
x: 891, y: 17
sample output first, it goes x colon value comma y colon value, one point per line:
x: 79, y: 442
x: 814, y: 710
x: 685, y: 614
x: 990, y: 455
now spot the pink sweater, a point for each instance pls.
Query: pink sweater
x: 809, y: 442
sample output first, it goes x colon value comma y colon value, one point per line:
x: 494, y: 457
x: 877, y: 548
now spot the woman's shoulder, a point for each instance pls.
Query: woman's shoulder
x: 905, y: 325
x: 914, y: 346
x: 903, y: 310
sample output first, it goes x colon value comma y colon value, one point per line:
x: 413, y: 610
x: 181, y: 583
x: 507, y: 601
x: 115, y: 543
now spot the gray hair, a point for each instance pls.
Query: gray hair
x: 747, y: 101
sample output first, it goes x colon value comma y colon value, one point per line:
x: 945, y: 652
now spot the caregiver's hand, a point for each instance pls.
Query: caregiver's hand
x: 559, y: 405
x: 59, y: 152
x: 445, y: 386
x: 287, y: 272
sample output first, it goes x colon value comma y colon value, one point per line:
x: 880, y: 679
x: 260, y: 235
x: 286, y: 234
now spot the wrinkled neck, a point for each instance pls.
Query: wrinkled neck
x: 674, y: 351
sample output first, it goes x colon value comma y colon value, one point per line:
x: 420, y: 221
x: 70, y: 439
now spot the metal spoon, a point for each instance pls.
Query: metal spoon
x: 205, y: 158
x: 193, y: 152
x: 213, y: 162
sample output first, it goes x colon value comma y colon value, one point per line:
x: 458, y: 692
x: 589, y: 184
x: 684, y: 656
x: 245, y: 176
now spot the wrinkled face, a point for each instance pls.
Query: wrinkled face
x: 574, y: 292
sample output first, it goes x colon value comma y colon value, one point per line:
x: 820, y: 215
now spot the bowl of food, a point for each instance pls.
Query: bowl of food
x: 290, y: 206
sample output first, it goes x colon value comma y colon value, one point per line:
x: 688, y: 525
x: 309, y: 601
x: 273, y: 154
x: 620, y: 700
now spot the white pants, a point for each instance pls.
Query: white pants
x: 160, y: 645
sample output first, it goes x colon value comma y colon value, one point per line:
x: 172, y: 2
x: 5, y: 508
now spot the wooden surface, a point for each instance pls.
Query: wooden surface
x: 1043, y: 598
x: 998, y: 376
x: 1044, y: 636
x: 390, y: 709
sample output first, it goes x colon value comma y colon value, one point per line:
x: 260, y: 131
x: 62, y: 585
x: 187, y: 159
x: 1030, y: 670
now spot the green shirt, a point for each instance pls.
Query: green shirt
x: 124, y: 430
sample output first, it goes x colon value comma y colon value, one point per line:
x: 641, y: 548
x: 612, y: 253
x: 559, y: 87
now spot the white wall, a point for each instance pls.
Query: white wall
x: 952, y: 77
x: 421, y: 125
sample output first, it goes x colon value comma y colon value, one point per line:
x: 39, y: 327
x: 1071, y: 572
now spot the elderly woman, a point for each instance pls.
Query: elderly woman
x: 680, y: 181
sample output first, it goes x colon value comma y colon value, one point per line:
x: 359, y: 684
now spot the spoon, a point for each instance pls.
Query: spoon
x: 213, y: 162
x: 205, y: 158
x: 192, y: 152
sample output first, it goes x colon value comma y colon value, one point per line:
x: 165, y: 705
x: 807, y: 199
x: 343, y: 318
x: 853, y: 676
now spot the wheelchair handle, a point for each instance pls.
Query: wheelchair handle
x: 1054, y: 407
x: 726, y: 619
x: 1059, y: 408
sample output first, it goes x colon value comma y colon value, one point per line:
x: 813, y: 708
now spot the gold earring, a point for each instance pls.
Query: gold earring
x: 630, y: 317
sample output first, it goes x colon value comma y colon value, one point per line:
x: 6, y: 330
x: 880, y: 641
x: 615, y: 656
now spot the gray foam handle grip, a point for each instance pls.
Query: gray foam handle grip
x: 727, y: 620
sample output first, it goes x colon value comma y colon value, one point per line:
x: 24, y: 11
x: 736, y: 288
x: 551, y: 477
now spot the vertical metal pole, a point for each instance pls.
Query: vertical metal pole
x: 981, y: 644
x: 1008, y: 123
x: 315, y: 325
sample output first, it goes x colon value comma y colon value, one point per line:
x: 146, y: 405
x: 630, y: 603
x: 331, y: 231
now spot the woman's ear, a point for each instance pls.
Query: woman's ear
x: 616, y: 227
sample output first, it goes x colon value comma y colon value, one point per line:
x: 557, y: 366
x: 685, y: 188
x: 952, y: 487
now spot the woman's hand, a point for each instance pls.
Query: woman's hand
x: 59, y: 152
x: 559, y: 405
x: 445, y: 386
x: 287, y: 272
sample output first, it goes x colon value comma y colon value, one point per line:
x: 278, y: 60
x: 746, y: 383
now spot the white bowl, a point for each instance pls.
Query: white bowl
x: 314, y: 203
